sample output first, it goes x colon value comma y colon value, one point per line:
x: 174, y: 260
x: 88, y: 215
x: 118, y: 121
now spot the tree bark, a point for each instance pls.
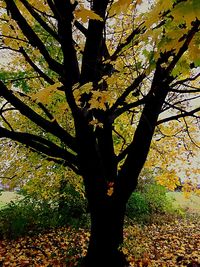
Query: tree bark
x: 107, y: 220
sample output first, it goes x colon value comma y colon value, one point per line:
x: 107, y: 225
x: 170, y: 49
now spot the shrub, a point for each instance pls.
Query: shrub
x: 26, y: 216
x: 149, y: 200
x: 137, y: 207
x: 31, y: 215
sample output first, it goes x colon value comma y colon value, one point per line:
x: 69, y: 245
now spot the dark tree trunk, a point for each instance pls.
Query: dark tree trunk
x: 107, y: 220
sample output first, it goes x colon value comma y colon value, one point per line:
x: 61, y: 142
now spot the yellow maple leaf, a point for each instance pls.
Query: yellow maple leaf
x: 119, y: 6
x: 85, y: 14
x: 44, y: 94
x: 98, y: 100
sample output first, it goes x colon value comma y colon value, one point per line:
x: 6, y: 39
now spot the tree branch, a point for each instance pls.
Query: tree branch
x: 188, y: 133
x: 32, y: 36
x: 49, y: 126
x: 35, y: 67
x: 194, y: 90
x: 184, y: 47
x: 182, y: 115
x: 173, y: 105
x: 37, y: 17
x: 43, y: 108
x: 130, y: 38
x: 80, y: 27
x: 93, y: 52
x: 131, y: 88
x: 40, y: 144
x: 64, y: 11
x: 14, y: 37
x: 129, y: 106
x: 185, y: 80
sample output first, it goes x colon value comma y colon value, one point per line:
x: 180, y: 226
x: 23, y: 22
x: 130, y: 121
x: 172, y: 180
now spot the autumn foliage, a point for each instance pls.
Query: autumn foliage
x: 93, y: 87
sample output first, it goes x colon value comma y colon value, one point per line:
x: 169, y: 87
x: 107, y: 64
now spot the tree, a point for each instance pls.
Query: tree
x: 86, y: 68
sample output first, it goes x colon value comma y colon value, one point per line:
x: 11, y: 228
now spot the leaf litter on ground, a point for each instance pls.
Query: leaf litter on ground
x: 174, y: 243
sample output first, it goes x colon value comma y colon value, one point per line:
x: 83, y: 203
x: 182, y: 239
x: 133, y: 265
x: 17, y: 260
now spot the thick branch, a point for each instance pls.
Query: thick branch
x: 49, y: 126
x: 53, y: 8
x: 40, y: 144
x: 128, y: 107
x: 32, y: 36
x: 43, y: 108
x: 39, y: 19
x: 93, y: 52
x: 138, y: 150
x: 80, y: 27
x: 64, y: 12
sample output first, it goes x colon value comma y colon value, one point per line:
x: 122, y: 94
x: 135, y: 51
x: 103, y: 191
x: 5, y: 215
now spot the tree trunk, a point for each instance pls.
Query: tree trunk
x: 107, y: 220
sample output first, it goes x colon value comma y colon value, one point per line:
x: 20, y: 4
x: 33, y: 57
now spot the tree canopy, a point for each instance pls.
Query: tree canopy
x: 89, y: 83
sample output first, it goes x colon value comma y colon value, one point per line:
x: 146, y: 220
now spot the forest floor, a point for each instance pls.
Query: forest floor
x: 169, y: 243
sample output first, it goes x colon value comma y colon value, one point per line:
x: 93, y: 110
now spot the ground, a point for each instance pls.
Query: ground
x: 167, y: 244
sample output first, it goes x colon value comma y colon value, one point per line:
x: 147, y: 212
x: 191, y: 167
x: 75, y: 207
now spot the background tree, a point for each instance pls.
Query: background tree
x: 87, y: 68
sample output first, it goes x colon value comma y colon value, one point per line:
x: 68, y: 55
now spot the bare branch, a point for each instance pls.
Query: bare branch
x: 173, y: 105
x: 185, y: 80
x: 185, y: 91
x: 14, y: 38
x: 182, y: 115
x: 124, y: 140
x: 135, y: 32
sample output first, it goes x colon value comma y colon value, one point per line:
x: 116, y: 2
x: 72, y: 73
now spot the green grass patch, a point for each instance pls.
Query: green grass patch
x: 7, y: 197
x: 191, y: 204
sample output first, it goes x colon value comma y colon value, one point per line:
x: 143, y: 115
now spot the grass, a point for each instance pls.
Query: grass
x: 6, y: 197
x: 191, y: 204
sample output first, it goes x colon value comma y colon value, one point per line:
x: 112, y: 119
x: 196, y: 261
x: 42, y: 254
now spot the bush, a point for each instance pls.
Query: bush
x: 137, y: 207
x: 26, y: 216
x: 149, y: 200
x: 32, y: 215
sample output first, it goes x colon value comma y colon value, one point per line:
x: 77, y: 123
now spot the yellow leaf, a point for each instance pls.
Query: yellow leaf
x: 44, y: 94
x: 119, y: 6
x: 110, y: 191
x: 85, y: 14
x: 98, y: 100
x: 96, y: 123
